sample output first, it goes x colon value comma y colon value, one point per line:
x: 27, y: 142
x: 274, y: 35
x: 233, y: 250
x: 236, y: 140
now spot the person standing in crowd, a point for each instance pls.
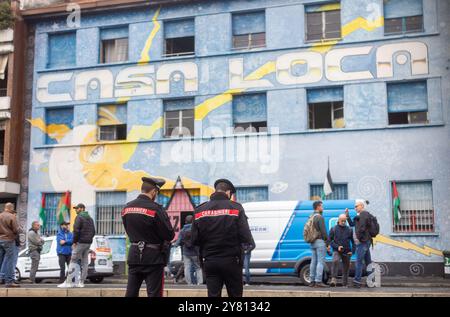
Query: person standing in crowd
x: 9, y: 232
x: 318, y: 246
x: 83, y: 235
x: 35, y: 244
x: 190, y: 254
x: 247, y: 248
x: 219, y: 229
x: 64, y: 240
x: 341, y: 240
x: 363, y: 239
x: 150, y: 232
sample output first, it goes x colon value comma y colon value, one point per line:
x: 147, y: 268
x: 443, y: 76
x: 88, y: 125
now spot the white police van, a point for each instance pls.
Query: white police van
x: 100, y: 261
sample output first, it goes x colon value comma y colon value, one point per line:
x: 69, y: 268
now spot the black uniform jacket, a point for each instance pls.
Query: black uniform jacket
x: 220, y: 228
x: 145, y: 220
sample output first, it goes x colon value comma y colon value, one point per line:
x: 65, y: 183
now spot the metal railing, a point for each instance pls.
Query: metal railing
x: 415, y: 221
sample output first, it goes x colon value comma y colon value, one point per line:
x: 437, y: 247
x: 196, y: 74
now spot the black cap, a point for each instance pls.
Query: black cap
x: 157, y: 182
x: 65, y: 223
x: 226, y: 181
x: 80, y: 205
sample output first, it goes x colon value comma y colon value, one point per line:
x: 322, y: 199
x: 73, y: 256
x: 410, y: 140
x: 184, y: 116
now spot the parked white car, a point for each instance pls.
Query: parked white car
x: 100, y: 261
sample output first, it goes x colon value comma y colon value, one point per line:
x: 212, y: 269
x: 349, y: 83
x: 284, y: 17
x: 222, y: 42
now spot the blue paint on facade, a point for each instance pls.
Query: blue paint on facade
x: 368, y: 154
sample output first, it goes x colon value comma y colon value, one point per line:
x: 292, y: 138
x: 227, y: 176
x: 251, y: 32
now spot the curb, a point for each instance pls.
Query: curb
x: 120, y: 292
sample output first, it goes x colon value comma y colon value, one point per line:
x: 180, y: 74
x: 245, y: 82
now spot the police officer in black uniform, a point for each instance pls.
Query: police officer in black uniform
x: 150, y: 232
x: 220, y: 228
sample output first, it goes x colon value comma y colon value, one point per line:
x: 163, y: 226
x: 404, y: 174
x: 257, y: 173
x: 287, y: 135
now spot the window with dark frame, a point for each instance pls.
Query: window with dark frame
x: 403, y: 16
x: 179, y: 38
x: 407, y: 103
x: 323, y: 24
x: 249, y: 30
x: 111, y: 122
x: 416, y: 214
x: 115, y: 50
x: 245, y: 194
x: 179, y: 117
x: 325, y: 108
x: 250, y: 113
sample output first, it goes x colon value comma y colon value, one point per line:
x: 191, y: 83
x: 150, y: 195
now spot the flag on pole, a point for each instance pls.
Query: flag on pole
x: 396, y: 203
x: 327, y: 184
x: 63, y: 211
x: 42, y: 215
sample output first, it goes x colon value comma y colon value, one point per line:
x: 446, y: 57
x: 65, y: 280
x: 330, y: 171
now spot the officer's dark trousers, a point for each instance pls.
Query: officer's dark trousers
x: 153, y: 275
x: 221, y: 271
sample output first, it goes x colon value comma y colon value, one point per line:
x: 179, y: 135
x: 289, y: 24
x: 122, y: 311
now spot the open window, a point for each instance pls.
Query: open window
x: 249, y: 30
x: 326, y: 108
x: 179, y: 37
x: 407, y: 103
x: 112, y: 122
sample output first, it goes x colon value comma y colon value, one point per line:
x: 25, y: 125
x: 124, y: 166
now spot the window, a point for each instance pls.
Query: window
x: 3, y: 75
x: 403, y: 16
x: 2, y: 147
x: 179, y: 37
x: 407, y: 103
x: 58, y: 121
x: 250, y: 113
x: 114, y: 45
x: 326, y: 108
x: 50, y: 227
x: 323, y: 22
x: 112, y: 122
x: 179, y: 117
x: 108, y: 216
x: 416, y: 208
x: 249, y: 30
x: 339, y: 192
x: 249, y: 194
x: 62, y: 50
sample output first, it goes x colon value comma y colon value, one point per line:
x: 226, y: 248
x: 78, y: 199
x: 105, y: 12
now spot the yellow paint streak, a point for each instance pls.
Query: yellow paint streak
x: 407, y: 245
x: 54, y: 131
x: 361, y: 23
x: 145, y: 54
x: 329, y: 7
x: 204, y: 108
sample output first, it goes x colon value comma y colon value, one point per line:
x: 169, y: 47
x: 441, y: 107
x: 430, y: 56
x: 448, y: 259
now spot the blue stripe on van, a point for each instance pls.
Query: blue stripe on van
x: 291, y: 246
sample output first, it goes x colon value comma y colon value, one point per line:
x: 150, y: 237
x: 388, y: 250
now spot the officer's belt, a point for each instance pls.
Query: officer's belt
x: 149, y: 245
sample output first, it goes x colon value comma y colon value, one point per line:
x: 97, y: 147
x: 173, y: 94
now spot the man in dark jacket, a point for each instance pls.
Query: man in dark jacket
x: 341, y: 240
x: 220, y: 228
x: 83, y: 235
x: 318, y: 247
x: 362, y: 239
x: 190, y: 254
x: 64, y: 240
x: 149, y: 229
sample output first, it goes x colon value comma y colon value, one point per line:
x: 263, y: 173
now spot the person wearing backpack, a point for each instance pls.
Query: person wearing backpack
x: 190, y: 254
x: 366, y: 228
x: 315, y: 233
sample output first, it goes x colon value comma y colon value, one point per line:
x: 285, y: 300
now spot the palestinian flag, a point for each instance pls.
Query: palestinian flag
x: 63, y: 211
x: 42, y: 215
x: 327, y: 184
x: 396, y: 204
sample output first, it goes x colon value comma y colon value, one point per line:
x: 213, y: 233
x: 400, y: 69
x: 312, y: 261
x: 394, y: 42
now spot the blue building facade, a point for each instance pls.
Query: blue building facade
x: 269, y: 94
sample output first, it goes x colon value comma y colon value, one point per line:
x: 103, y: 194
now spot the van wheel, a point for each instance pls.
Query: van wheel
x: 96, y: 280
x: 17, y: 277
x: 304, y: 275
x: 38, y: 280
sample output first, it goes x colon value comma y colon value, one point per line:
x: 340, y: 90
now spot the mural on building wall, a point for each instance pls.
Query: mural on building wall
x: 94, y: 165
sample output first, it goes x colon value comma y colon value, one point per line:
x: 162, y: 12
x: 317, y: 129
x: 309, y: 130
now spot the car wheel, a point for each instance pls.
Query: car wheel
x: 17, y: 273
x: 304, y: 274
x: 96, y: 280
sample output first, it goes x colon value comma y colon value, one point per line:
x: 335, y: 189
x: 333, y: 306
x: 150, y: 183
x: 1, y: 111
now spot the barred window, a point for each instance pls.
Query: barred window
x: 416, y: 208
x: 249, y: 194
x: 50, y: 227
x: 108, y: 212
x: 340, y: 192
